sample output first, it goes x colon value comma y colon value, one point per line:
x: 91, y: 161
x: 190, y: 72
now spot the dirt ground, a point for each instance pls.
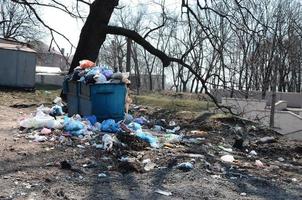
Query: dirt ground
x: 30, y: 170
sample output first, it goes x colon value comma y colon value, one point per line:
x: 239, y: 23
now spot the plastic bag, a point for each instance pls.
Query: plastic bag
x: 41, y: 120
x: 93, y: 71
x: 44, y: 109
x: 175, y: 129
x: 56, y: 111
x: 135, y: 126
x: 148, y: 138
x: 109, y: 126
x: 99, y: 78
x: 186, y: 166
x: 45, y: 131
x: 86, y: 64
x: 128, y: 118
x: 58, y: 101
x: 172, y: 138
x: 75, y: 127
x: 141, y: 120
x: 92, y: 119
x: 120, y: 76
x: 107, y: 142
x: 89, y: 79
x: 107, y: 73
x: 76, y: 75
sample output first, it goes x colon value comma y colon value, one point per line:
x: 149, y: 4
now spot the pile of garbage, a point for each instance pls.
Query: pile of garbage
x: 139, y: 143
x: 88, y: 73
x: 52, y: 124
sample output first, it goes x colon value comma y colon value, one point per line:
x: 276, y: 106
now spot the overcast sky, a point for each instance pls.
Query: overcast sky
x: 71, y: 27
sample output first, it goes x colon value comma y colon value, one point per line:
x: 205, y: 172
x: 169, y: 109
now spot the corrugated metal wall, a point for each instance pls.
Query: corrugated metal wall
x: 17, y: 68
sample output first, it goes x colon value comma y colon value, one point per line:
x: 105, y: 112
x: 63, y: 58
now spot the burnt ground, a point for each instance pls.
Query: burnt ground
x: 30, y: 170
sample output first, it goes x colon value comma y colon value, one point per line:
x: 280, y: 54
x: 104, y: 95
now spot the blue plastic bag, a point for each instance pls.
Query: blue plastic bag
x: 148, y: 138
x: 73, y: 126
x: 128, y: 118
x: 141, y: 120
x: 109, y: 126
x: 134, y: 126
x: 92, y: 119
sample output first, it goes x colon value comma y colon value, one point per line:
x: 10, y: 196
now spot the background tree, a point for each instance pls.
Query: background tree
x: 18, y: 22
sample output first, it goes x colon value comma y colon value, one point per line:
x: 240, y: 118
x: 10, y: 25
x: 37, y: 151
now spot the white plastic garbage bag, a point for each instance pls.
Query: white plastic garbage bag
x: 41, y: 120
x: 44, y: 109
x: 107, y: 142
x: 58, y: 101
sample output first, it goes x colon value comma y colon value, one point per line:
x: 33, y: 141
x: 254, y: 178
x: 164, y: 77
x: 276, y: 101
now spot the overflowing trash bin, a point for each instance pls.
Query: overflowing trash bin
x: 96, y: 90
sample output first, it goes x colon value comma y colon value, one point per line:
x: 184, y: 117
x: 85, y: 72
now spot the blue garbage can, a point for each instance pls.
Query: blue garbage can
x: 105, y: 101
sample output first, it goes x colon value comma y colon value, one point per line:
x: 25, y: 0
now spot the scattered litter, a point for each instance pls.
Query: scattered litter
x: 253, y: 153
x: 141, y: 120
x: 186, y: 166
x: 107, y: 142
x: 267, y: 139
x: 172, y: 123
x: 175, y: 129
x: 146, y: 161
x: 169, y: 145
x: 166, y: 193
x: 102, y: 175
x: 199, y: 133
x: 227, y: 158
x: 172, y: 138
x: 281, y: 159
x: 215, y: 176
x: 149, y: 166
x: 259, y: 164
x: 39, y: 138
x: 243, y: 194
x: 27, y: 185
x: 45, y: 131
x: 157, y: 128
x: 226, y: 149
x: 294, y: 180
x: 148, y: 138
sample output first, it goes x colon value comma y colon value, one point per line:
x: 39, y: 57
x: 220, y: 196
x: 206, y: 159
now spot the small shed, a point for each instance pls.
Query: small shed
x: 17, y: 66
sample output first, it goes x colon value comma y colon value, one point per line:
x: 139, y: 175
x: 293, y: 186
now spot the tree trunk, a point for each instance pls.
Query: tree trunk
x: 197, y: 86
x: 192, y: 85
x: 128, y: 62
x: 137, y: 71
x: 92, y: 34
x: 184, y: 88
x: 163, y: 79
x: 150, y: 82
x: 273, y: 102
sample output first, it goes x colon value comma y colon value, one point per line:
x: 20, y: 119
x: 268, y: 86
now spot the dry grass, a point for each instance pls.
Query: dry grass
x: 39, y: 96
x: 172, y: 103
